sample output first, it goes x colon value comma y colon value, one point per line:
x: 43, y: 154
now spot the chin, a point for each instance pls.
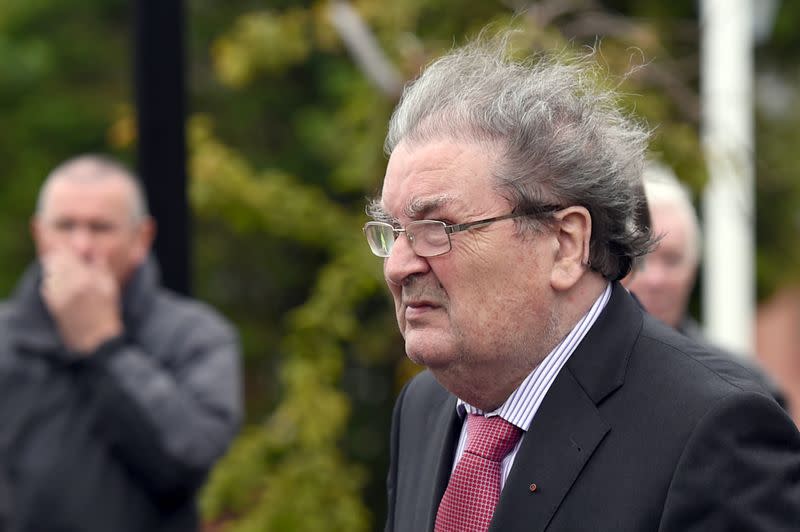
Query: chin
x: 434, y: 353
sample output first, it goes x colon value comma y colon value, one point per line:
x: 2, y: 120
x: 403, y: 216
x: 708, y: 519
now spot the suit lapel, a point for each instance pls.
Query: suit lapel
x: 568, y: 426
x: 566, y: 430
x: 444, y: 427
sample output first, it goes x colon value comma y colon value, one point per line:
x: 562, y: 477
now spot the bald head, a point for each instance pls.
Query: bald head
x: 94, y: 168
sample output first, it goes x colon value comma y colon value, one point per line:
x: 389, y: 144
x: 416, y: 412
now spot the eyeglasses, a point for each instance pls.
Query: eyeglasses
x: 430, y: 238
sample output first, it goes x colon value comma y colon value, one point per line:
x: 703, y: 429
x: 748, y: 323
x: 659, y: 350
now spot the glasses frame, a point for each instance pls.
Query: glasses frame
x: 449, y: 229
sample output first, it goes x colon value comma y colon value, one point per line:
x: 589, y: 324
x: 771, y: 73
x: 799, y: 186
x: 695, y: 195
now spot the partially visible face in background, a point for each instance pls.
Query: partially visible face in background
x: 665, y: 280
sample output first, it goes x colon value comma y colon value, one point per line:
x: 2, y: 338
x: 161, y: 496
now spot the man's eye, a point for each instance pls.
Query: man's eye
x: 64, y: 225
x: 672, y: 260
x: 100, y: 228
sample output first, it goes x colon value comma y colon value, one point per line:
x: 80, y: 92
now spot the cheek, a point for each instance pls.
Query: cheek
x: 653, y: 277
x: 686, y: 280
x: 121, y: 254
x: 643, y: 281
x: 491, y: 291
x: 48, y: 240
x: 110, y: 251
x: 44, y: 243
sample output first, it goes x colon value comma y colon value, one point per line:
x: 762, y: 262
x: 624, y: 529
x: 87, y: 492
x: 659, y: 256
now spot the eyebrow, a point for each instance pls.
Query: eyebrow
x: 376, y: 211
x: 420, y: 207
x: 415, y: 209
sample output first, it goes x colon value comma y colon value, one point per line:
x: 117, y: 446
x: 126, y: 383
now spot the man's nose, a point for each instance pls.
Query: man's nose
x: 81, y: 241
x: 402, y: 262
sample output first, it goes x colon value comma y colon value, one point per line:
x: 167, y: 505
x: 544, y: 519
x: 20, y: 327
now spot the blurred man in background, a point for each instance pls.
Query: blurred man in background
x: 665, y: 278
x: 664, y: 281
x: 116, y: 396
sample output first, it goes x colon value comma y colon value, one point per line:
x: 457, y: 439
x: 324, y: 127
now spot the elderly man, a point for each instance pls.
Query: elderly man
x: 666, y: 278
x: 116, y: 396
x: 664, y: 281
x: 510, y: 208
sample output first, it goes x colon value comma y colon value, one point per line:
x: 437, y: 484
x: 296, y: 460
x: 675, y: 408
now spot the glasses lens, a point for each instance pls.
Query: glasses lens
x: 380, y: 237
x: 428, y: 237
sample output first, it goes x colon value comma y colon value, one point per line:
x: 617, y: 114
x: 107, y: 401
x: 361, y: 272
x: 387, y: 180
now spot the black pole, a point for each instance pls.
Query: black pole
x: 161, y: 113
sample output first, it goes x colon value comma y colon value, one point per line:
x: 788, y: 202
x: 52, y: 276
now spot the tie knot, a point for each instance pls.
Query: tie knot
x: 491, y: 438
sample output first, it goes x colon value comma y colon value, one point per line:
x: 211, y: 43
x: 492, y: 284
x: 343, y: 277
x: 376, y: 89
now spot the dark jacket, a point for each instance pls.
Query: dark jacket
x: 689, y: 327
x: 120, y: 440
x: 642, y: 430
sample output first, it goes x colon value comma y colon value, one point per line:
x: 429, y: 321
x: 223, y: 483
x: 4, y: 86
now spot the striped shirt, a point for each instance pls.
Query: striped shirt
x: 521, y: 406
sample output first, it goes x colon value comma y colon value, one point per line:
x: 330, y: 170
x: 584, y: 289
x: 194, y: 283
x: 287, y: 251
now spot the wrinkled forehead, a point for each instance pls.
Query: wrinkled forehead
x: 418, y: 199
x: 422, y: 180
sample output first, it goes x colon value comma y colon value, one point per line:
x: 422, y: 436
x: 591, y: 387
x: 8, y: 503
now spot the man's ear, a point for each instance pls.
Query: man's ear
x: 34, y: 227
x: 36, y: 233
x: 145, y: 234
x: 573, y: 234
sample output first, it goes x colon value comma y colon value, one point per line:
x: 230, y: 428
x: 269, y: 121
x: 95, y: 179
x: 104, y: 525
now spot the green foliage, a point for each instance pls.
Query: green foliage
x: 266, y: 41
x: 277, y: 475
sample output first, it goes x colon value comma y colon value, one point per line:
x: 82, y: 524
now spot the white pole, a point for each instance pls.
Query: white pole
x: 728, y: 204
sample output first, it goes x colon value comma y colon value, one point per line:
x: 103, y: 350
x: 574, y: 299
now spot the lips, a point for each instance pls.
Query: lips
x: 419, y: 303
x: 418, y: 309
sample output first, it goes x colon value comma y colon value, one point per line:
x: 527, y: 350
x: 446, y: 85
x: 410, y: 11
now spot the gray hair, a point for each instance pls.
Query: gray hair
x: 563, y: 139
x: 94, y: 167
x: 662, y: 187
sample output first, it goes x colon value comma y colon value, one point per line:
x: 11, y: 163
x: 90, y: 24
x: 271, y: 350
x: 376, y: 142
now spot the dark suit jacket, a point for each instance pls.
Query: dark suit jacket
x: 642, y: 430
x: 689, y: 327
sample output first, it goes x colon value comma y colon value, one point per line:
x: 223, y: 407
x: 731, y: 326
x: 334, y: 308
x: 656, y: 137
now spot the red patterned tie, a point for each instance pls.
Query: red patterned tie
x: 474, y: 487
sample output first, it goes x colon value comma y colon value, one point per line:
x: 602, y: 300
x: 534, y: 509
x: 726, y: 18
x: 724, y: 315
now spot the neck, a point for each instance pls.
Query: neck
x: 487, y: 386
x: 483, y: 393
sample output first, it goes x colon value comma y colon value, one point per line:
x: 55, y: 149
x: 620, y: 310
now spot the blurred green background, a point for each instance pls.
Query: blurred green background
x: 285, y: 144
